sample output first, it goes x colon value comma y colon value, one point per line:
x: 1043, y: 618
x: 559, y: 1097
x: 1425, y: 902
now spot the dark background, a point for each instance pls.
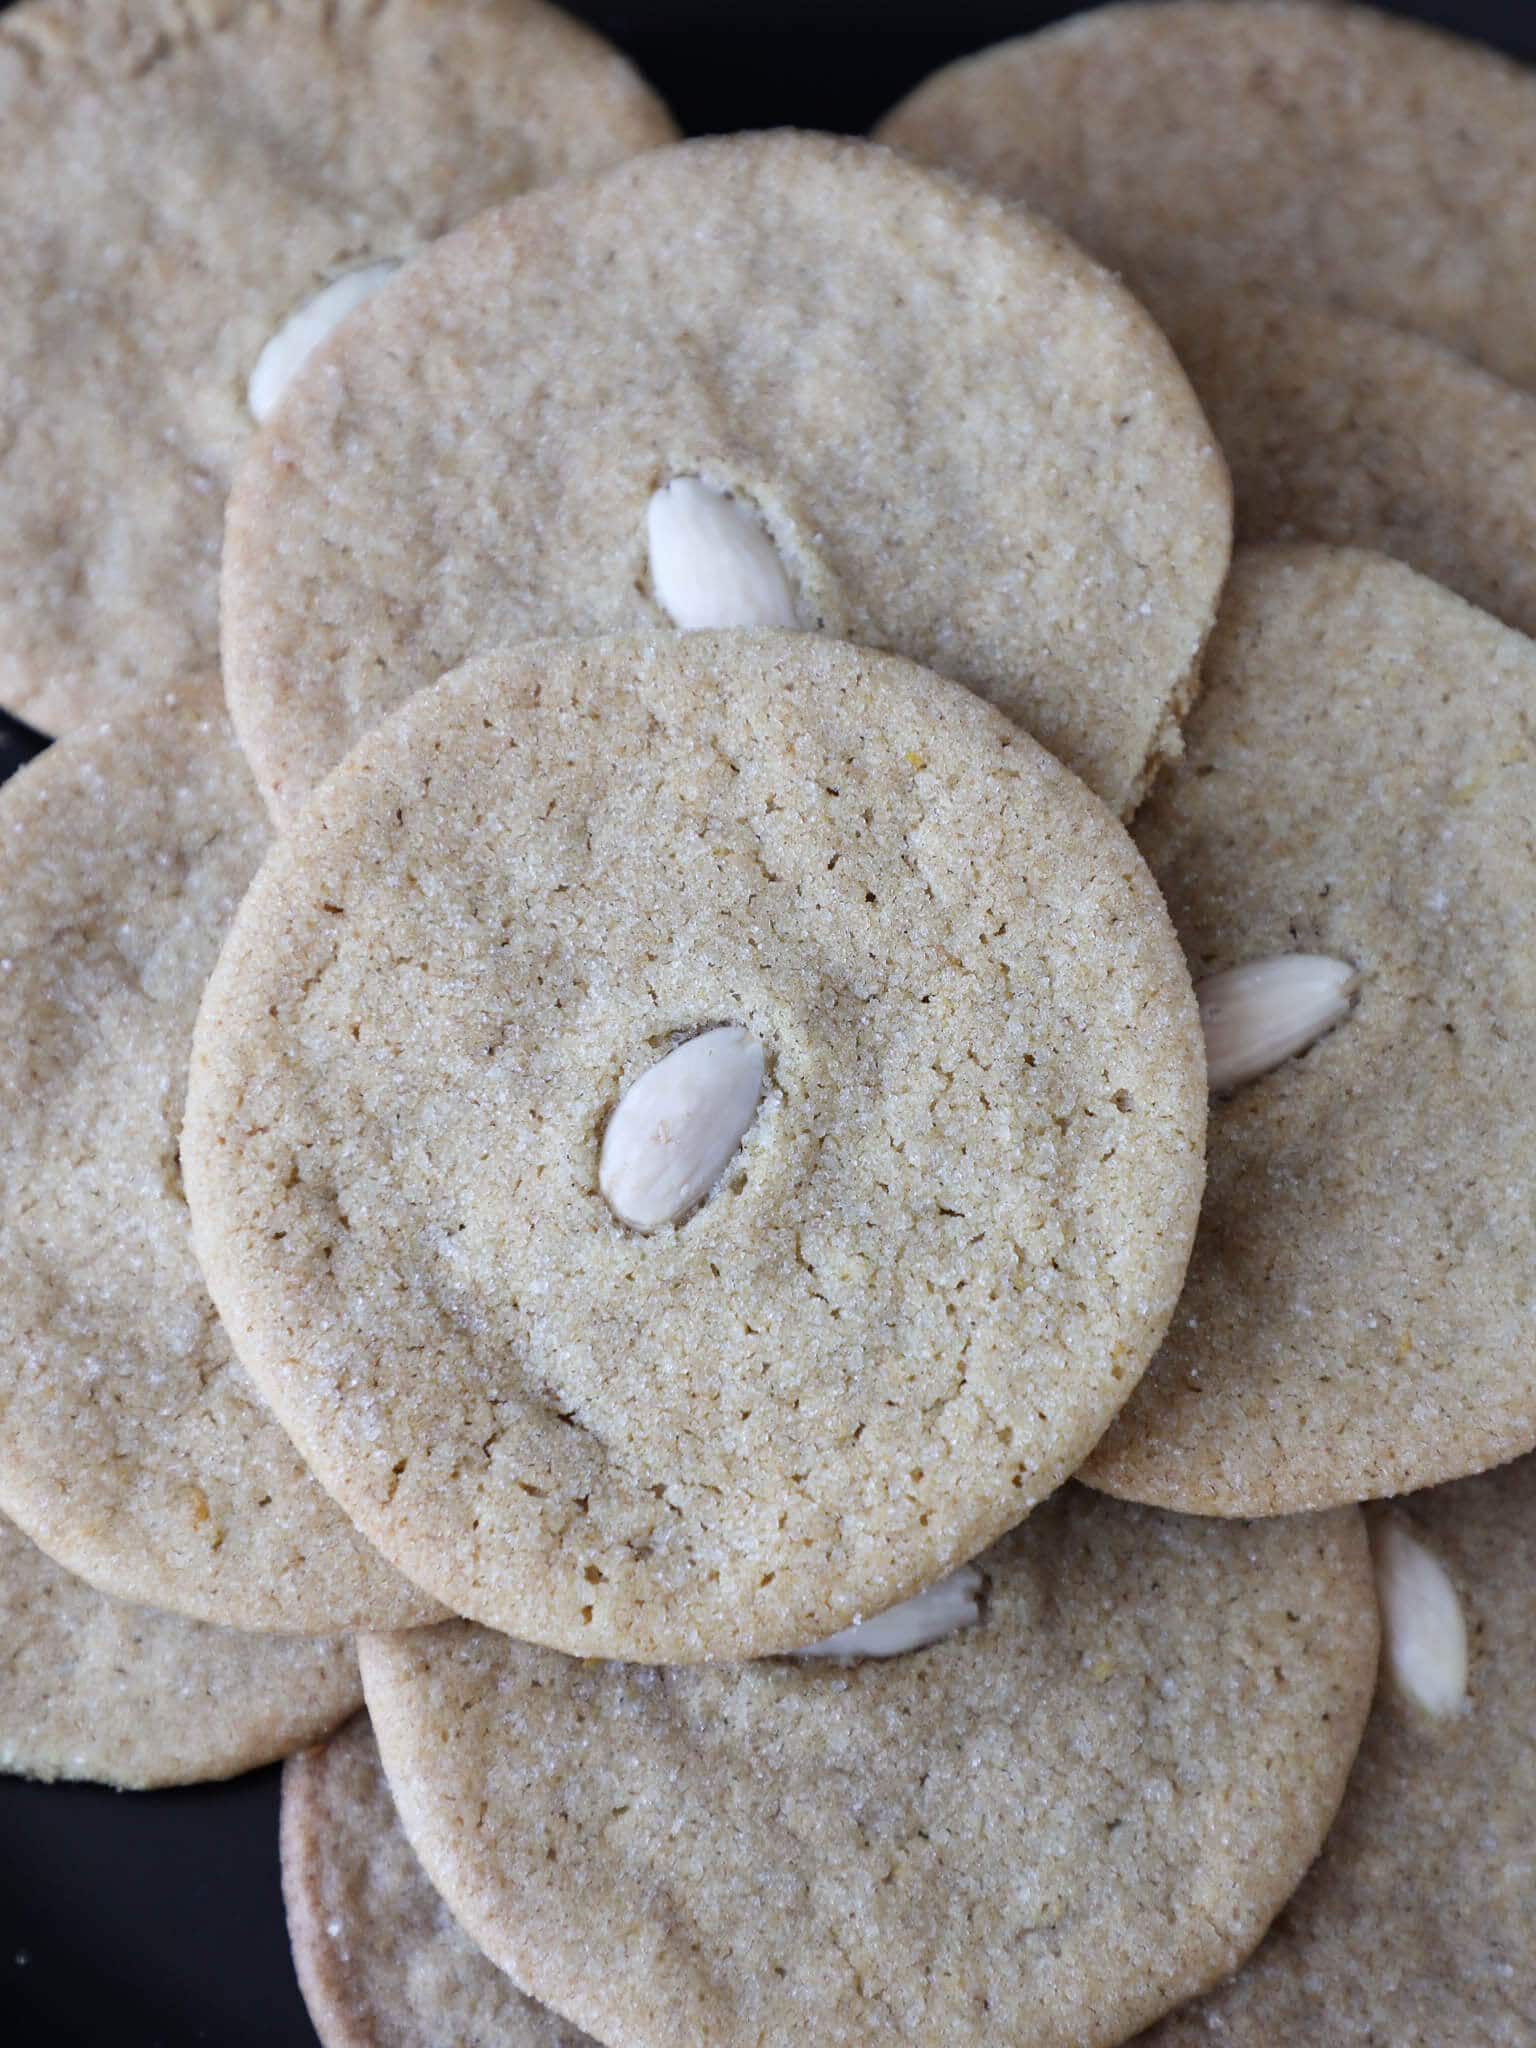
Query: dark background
x: 154, y: 1920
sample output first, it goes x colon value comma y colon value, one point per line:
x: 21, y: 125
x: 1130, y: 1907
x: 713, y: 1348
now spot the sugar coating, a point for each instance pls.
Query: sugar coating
x: 1329, y: 153
x: 947, y: 1245
x: 1045, y: 1830
x: 967, y: 443
x: 133, y: 1448
x: 94, y: 1688
x: 1360, y: 783
x: 1414, y: 1925
x: 1344, y: 430
x: 177, y: 177
x: 380, y: 1959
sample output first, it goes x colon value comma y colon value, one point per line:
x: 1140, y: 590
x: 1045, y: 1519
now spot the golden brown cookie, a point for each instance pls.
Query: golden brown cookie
x: 92, y: 1687
x: 1359, y: 784
x: 133, y: 1447
x: 380, y: 1959
x: 1329, y: 153
x: 1044, y: 1830
x: 1344, y: 430
x: 963, y: 442
x: 935, y: 1250
x: 178, y: 178
x: 1414, y: 1925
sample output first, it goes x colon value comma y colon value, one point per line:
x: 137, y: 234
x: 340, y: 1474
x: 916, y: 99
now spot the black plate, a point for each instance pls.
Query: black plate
x: 153, y: 1920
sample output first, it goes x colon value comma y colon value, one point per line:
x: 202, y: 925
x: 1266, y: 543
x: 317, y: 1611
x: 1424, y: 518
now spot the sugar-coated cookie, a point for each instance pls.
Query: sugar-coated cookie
x: 133, y: 1447
x: 1330, y: 153
x: 380, y: 1959
x: 1045, y: 1830
x: 962, y: 441
x: 1359, y: 785
x: 178, y: 179
x: 915, y: 1263
x: 91, y: 1687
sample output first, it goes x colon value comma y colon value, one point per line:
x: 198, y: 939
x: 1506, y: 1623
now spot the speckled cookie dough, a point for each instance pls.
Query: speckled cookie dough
x: 1045, y: 1830
x: 91, y: 1687
x: 133, y: 1448
x: 1360, y: 784
x: 966, y: 443
x: 1344, y: 430
x: 1414, y: 1925
x: 178, y: 178
x: 380, y: 1959
x: 933, y: 1267
x: 1329, y: 153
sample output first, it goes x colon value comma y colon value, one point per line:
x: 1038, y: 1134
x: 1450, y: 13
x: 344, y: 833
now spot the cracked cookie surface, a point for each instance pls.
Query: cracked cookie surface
x: 133, y: 1447
x: 946, y: 1245
x: 1045, y: 1830
x: 177, y: 177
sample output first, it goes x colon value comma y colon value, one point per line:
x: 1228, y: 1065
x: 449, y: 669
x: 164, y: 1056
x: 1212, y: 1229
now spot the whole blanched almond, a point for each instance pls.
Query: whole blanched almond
x: 941, y: 1610
x: 712, y: 561
x: 303, y: 331
x: 1260, y: 1014
x: 1423, y: 1629
x: 677, y: 1129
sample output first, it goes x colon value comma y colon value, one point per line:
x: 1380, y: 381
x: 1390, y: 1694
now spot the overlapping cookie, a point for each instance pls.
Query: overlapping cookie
x: 133, y: 1448
x: 1047, y: 1828
x: 787, y: 370
x: 180, y: 179
x: 92, y: 1687
x: 694, y: 1135
x: 1344, y: 430
x: 1415, y: 1923
x: 1331, y: 154
x: 1354, y: 808
x: 380, y: 1959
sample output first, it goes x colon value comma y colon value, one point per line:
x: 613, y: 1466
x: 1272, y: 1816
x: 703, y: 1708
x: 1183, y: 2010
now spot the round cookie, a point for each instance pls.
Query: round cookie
x: 91, y: 1687
x: 1414, y: 1925
x: 1359, y: 784
x: 1047, y: 1829
x: 934, y: 1266
x: 966, y: 442
x: 380, y: 1959
x: 1329, y: 153
x: 133, y: 1447
x: 1341, y: 429
x: 177, y: 180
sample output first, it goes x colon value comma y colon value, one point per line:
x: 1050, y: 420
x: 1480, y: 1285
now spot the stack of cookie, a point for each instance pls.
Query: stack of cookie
x: 621, y: 1130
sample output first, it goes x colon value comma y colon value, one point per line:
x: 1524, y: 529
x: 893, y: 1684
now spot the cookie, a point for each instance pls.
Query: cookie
x: 177, y: 179
x: 950, y: 434
x: 1359, y: 785
x: 1414, y: 1925
x: 1344, y: 430
x: 1332, y: 154
x: 1046, y: 1829
x: 943, y: 1227
x: 380, y: 1959
x: 133, y: 1448
x: 94, y: 1688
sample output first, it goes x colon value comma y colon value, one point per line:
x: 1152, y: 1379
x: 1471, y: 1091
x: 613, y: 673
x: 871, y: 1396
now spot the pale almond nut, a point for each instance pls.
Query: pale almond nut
x: 1256, y: 1016
x: 712, y: 561
x: 928, y: 1617
x: 303, y: 331
x: 1424, y: 1632
x: 677, y: 1129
